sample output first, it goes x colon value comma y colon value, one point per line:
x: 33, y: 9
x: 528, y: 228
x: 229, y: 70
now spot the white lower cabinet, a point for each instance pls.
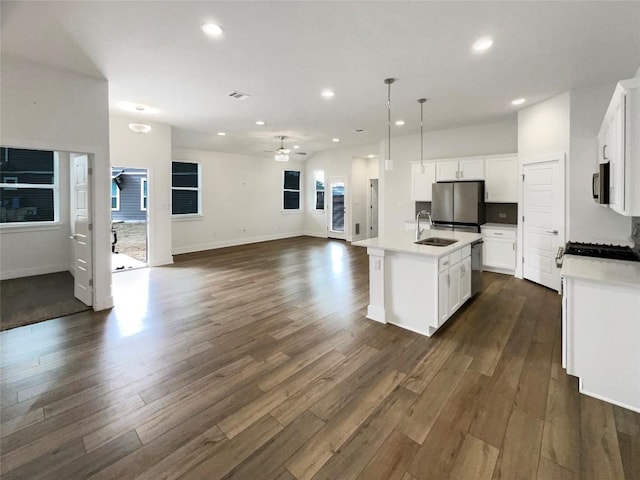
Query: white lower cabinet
x: 454, y: 282
x: 600, y: 337
x: 499, y: 249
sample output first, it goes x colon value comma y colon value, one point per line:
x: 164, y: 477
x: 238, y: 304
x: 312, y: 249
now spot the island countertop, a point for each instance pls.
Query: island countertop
x: 403, y: 241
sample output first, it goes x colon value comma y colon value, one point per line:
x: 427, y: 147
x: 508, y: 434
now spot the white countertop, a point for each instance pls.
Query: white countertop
x: 403, y: 242
x: 601, y: 269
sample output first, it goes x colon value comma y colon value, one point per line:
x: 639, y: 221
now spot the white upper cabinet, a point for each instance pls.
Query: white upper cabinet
x: 501, y: 180
x: 619, y: 144
x: 421, y: 181
x: 464, y: 169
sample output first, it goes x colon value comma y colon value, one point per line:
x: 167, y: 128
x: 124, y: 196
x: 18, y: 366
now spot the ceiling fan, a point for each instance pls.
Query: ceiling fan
x: 282, y: 154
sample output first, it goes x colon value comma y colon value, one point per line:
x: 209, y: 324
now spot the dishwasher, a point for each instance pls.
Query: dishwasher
x: 476, y: 267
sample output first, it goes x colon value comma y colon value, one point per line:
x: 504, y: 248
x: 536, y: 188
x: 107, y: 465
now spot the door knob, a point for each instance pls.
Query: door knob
x: 554, y: 232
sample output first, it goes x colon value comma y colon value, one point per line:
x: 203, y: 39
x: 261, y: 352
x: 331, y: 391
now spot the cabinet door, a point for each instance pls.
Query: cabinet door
x: 446, y: 171
x: 499, y: 253
x: 443, y: 296
x: 454, y: 287
x: 501, y: 180
x: 465, y: 279
x: 421, y: 182
x: 614, y: 153
x: 472, y: 169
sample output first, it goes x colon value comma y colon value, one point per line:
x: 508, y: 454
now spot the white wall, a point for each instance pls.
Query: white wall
x: 544, y: 128
x: 241, y: 202
x: 395, y: 185
x: 338, y: 162
x: 359, y: 193
x: 31, y: 250
x: 46, y: 108
x: 151, y: 151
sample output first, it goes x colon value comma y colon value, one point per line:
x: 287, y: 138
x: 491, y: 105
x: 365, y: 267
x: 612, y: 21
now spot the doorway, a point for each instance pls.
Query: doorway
x: 373, y: 207
x: 543, y: 221
x: 337, y: 218
x: 129, y: 218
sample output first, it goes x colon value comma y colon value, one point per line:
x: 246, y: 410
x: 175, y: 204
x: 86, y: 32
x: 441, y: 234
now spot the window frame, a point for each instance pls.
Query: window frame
x: 117, y: 196
x: 197, y: 189
x: 299, y: 191
x: 55, y: 187
x: 316, y: 174
x: 144, y: 185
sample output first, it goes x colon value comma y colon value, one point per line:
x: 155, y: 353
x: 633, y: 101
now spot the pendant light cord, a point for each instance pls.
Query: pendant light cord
x: 389, y: 120
x: 421, y: 102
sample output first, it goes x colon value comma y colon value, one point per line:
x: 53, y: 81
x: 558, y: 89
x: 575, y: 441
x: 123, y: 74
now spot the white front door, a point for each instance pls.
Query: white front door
x: 81, y: 230
x: 337, y: 219
x: 543, y: 222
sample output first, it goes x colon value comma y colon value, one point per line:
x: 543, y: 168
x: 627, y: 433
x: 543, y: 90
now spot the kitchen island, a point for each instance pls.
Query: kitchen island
x: 418, y: 287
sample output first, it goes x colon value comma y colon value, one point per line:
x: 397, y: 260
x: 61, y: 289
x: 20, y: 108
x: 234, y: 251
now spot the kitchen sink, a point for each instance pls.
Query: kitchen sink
x: 435, y: 241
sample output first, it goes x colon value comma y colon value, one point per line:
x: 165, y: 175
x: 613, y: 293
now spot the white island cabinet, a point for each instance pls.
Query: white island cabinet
x: 418, y: 287
x: 601, y: 327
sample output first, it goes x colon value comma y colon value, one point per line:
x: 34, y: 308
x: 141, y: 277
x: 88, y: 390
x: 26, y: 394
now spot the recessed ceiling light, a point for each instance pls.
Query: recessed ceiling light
x: 137, y: 107
x: 399, y: 123
x: 222, y: 134
x: 518, y: 101
x: 482, y: 44
x: 212, y: 29
x: 260, y: 122
x: 335, y: 140
x: 327, y: 93
x: 371, y: 155
x: 296, y: 146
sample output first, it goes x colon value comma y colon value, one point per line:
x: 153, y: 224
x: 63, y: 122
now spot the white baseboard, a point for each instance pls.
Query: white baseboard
x: 161, y: 262
x: 234, y: 242
x: 31, y: 271
x: 316, y: 234
x: 505, y: 271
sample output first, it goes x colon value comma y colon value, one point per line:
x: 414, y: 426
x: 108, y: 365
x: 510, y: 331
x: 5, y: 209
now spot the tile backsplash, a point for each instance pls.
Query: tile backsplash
x: 635, y: 228
x: 502, y: 213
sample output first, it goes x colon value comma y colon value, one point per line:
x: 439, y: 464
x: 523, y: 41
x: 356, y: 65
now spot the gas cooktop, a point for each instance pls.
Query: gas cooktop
x: 615, y: 252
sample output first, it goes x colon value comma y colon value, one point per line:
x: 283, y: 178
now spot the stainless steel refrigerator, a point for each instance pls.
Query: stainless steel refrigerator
x: 458, y: 205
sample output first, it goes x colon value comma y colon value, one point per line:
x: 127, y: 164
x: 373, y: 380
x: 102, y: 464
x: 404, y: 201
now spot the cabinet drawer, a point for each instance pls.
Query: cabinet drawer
x: 444, y: 263
x: 455, y: 257
x: 499, y: 232
x: 465, y: 251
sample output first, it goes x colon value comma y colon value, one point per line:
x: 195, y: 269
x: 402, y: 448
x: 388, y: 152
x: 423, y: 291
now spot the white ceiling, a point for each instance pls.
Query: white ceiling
x: 284, y: 53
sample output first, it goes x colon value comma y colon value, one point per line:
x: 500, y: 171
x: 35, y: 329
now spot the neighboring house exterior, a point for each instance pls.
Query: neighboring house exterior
x: 128, y: 194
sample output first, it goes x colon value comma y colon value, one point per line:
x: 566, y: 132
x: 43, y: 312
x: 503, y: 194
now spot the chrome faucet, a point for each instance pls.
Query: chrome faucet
x: 419, y: 231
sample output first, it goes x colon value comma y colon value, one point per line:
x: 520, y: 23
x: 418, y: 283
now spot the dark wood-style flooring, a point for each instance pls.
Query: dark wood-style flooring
x: 257, y: 362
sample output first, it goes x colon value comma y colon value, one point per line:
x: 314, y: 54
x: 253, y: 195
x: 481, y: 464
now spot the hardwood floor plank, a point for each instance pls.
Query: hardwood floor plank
x: 162, y: 446
x: 600, y: 453
x: 23, y: 421
x: 549, y: 470
x: 431, y: 362
x: 295, y: 404
x: 531, y: 397
x: 521, y: 448
x: 353, y: 455
x: 627, y: 422
x: 436, y: 456
x: 419, y: 419
x: 630, y: 454
x: 246, y: 416
x: 391, y: 460
x: 267, y: 462
x: 562, y: 424
x: 37, y: 467
x: 306, y: 462
x: 476, y: 460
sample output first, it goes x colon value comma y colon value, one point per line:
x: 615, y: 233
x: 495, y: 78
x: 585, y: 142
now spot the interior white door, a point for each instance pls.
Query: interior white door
x: 543, y: 222
x: 373, y: 208
x: 337, y: 227
x: 81, y: 233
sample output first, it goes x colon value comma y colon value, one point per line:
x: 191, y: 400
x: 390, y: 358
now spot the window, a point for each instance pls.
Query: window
x: 319, y: 175
x: 115, y: 195
x: 28, y: 186
x: 291, y: 190
x: 143, y: 194
x: 185, y: 188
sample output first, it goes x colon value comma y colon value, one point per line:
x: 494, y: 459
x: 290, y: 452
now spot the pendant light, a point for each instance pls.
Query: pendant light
x: 388, y: 162
x: 421, y: 102
x: 282, y: 154
x: 140, y: 127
